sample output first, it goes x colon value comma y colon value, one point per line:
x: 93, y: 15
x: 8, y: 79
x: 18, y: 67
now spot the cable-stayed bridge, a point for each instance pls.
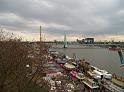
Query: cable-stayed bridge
x: 77, y: 45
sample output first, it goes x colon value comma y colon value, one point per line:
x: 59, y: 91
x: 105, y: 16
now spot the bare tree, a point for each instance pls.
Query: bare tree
x: 14, y: 56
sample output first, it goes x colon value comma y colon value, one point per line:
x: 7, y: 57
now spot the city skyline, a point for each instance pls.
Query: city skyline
x: 100, y: 19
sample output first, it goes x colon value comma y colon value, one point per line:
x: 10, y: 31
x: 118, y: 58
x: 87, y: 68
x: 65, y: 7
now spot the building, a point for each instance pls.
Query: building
x: 86, y: 41
x: 89, y: 40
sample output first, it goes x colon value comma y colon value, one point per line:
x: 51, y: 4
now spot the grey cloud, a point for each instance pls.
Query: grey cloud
x: 82, y: 16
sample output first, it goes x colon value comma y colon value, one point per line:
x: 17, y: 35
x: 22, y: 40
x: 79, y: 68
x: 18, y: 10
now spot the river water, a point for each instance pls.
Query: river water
x: 99, y: 57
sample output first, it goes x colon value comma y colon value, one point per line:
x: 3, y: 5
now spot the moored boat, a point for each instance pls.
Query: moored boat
x: 118, y: 80
x: 73, y: 73
x: 99, y: 74
x: 90, y: 83
x: 68, y: 66
x: 80, y: 76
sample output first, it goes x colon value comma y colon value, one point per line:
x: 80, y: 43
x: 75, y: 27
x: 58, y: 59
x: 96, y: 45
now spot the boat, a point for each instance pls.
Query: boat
x: 90, y: 83
x: 59, y: 61
x: 73, y: 73
x: 77, y: 75
x: 113, y: 48
x: 106, y: 74
x: 68, y: 66
x: 80, y: 76
x: 118, y: 82
x: 99, y: 74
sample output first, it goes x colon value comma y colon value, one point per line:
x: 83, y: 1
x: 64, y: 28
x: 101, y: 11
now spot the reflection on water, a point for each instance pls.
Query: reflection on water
x: 101, y: 58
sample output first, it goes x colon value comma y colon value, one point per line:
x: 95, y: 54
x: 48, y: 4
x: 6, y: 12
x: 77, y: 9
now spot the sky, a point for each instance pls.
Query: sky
x: 101, y: 19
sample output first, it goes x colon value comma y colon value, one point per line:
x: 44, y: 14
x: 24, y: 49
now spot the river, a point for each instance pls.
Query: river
x: 99, y: 57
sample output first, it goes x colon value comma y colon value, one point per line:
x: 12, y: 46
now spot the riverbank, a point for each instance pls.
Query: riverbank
x: 101, y: 58
x: 69, y: 68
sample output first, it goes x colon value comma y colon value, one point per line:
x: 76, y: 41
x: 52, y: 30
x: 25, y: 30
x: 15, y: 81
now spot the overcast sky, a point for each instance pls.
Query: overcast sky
x: 102, y: 19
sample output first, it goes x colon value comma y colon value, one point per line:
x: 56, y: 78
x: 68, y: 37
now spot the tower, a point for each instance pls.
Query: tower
x: 65, y: 42
x: 40, y: 35
x: 121, y: 58
x: 40, y: 42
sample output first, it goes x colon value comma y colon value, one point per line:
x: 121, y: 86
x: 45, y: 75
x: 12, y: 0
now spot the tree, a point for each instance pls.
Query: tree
x: 14, y: 56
